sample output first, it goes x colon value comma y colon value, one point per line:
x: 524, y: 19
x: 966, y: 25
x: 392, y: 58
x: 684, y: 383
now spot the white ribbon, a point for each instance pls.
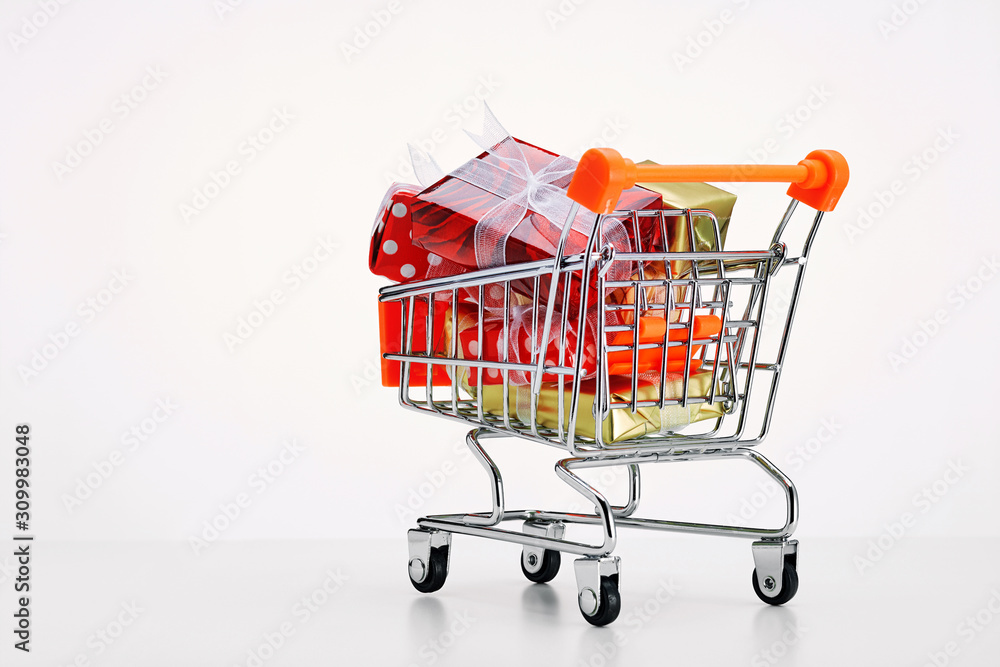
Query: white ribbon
x: 521, y: 190
x: 425, y: 167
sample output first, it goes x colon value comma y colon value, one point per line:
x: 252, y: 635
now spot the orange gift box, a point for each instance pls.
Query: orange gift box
x: 390, y: 320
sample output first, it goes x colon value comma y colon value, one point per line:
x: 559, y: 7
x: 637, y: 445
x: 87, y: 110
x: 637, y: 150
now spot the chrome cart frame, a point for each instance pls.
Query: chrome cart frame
x: 730, y: 285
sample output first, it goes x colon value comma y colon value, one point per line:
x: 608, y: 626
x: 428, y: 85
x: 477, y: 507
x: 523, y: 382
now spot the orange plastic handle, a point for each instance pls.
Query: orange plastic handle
x: 602, y: 174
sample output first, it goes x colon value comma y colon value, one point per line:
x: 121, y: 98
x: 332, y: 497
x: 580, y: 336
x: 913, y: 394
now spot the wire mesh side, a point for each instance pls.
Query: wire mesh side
x: 598, y: 359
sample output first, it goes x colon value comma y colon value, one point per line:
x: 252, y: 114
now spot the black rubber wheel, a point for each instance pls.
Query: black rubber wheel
x: 611, y: 604
x: 550, y: 568
x: 789, y: 585
x: 437, y: 571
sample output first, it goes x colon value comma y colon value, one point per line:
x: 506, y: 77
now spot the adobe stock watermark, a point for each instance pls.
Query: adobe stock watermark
x: 218, y: 180
x: 258, y: 482
x: 561, y: 12
x: 805, y: 452
x: 712, y: 29
x: 922, y: 502
x: 966, y: 632
x: 7, y: 570
x: 451, y: 120
x: 899, y: 15
x: 780, y: 647
x: 301, y: 613
x: 225, y: 7
x: 779, y: 298
x: 957, y: 298
x: 432, y: 650
x: 434, y: 480
x: 34, y: 23
x: 629, y: 625
x: 912, y: 170
x: 131, y: 440
x: 795, y: 460
x: 41, y: 357
x: 102, y: 639
x: 77, y: 152
x: 788, y: 125
x: 750, y: 506
x: 369, y: 375
x: 371, y: 28
x: 292, y: 279
x: 611, y: 131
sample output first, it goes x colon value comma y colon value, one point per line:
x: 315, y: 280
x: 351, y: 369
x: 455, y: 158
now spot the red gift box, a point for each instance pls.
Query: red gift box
x: 393, y: 253
x: 445, y: 215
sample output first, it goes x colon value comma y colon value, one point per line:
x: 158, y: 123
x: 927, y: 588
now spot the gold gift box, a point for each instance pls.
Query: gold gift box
x: 621, y: 424
x: 683, y: 196
x: 694, y: 196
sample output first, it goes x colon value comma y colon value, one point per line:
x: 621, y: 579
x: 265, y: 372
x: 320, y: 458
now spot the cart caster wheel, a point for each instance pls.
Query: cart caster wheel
x: 547, y: 570
x: 789, y: 585
x: 429, y: 577
x: 610, y: 603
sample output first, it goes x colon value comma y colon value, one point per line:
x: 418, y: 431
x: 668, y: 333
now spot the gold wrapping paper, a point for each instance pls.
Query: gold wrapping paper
x: 694, y: 195
x: 683, y: 196
x: 621, y: 424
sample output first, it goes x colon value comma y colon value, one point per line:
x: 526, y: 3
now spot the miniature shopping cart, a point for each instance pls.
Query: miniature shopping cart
x: 555, y: 298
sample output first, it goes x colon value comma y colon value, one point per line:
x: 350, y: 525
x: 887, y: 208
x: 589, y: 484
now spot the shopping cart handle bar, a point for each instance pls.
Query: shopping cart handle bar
x: 602, y: 174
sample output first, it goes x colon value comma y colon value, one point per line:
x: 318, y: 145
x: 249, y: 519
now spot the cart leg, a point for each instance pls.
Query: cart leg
x: 538, y: 564
x: 791, y: 495
x: 602, y: 508
x: 775, y: 579
x: 430, y: 552
x: 484, y: 524
x: 597, y: 588
x: 496, y: 481
x: 629, y: 508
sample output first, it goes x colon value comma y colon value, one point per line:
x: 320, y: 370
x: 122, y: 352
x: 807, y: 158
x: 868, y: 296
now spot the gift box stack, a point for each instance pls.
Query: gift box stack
x: 507, y: 206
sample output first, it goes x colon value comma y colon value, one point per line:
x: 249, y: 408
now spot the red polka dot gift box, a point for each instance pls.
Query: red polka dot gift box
x: 392, y: 253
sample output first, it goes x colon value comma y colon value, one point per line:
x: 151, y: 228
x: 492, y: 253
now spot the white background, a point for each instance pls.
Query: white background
x: 770, y: 81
